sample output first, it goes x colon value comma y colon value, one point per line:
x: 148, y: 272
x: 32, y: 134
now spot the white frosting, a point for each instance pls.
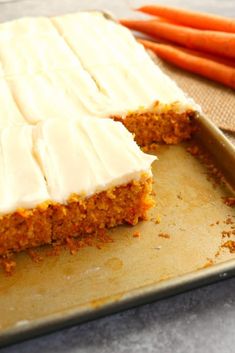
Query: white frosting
x: 27, y: 26
x: 42, y: 96
x: 58, y: 157
x: 80, y: 64
x: 9, y: 111
x: 119, y: 64
x: 87, y: 156
x: 21, y: 181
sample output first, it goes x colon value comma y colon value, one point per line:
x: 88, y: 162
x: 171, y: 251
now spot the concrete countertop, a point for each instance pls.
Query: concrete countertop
x: 202, y: 320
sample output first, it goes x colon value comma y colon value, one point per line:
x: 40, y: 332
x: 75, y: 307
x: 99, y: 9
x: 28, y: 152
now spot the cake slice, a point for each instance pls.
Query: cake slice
x: 86, y: 64
x: 147, y: 101
x: 67, y: 178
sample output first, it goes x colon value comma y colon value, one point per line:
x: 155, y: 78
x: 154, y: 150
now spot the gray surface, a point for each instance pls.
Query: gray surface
x: 199, y: 321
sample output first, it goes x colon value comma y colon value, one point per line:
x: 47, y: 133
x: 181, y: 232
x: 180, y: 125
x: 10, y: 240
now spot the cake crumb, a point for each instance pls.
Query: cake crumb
x: 193, y: 150
x: 207, y: 264
x: 217, y: 253
x: 228, y: 221
x: 230, y: 244
x: 55, y: 251
x: 34, y: 256
x: 164, y: 235
x: 157, y: 220
x: 136, y: 235
x: 153, y: 147
x: 214, y: 174
x: 8, y: 266
x: 226, y: 233
x: 229, y: 201
x: 97, y: 239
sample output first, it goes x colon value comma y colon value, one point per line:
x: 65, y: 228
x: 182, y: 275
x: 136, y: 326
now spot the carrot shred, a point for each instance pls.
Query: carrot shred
x: 194, y: 62
x: 219, y: 43
x: 189, y: 18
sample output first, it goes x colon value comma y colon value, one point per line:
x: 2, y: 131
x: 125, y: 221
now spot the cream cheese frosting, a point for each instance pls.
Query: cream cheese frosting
x: 46, y: 95
x: 114, y: 58
x: 80, y: 64
x: 58, y: 157
x: 22, y: 183
x: 102, y: 154
x: 9, y: 111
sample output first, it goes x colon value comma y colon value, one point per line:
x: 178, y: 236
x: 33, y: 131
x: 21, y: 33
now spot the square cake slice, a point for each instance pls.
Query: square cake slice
x: 67, y: 178
x: 143, y: 97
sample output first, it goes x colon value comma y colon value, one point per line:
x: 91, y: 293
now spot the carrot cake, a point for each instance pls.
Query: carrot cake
x: 85, y: 64
x: 69, y: 87
x: 58, y: 179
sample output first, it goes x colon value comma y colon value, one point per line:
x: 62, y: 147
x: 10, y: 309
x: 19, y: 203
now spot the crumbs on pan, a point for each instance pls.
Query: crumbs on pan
x: 213, y: 173
x: 136, y: 234
x: 54, y: 250
x: 229, y: 221
x: 230, y: 244
x: 8, y: 265
x: 99, y: 239
x: 207, y: 264
x: 156, y: 220
x: 34, y: 255
x: 229, y: 201
x: 230, y: 232
x: 164, y: 235
x: 153, y: 147
x: 227, y: 235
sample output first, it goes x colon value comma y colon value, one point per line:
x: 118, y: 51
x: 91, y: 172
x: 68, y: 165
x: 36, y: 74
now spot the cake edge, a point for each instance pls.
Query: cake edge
x: 159, y: 124
x: 52, y: 222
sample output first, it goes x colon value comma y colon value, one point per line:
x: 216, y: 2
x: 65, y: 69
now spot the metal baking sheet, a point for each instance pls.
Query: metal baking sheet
x: 181, y: 252
x: 185, y: 250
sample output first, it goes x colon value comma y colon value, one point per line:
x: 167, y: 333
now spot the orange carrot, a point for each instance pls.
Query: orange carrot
x: 211, y: 57
x: 194, y: 62
x: 191, y: 18
x: 219, y: 43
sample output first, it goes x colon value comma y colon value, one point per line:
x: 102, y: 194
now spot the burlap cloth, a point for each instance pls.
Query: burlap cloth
x: 217, y: 101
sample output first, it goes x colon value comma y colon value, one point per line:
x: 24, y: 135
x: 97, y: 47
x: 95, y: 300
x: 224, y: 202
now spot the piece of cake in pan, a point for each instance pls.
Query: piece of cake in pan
x: 146, y: 100
x: 68, y: 178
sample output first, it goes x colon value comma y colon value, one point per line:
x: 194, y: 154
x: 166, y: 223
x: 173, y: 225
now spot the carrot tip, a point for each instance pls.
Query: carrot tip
x: 122, y: 20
